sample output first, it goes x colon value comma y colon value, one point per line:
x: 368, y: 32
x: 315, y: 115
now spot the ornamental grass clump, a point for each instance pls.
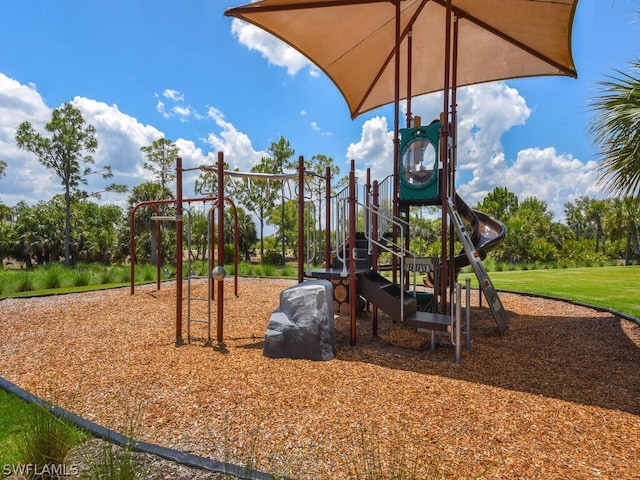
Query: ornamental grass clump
x: 43, y: 447
x: 369, y: 461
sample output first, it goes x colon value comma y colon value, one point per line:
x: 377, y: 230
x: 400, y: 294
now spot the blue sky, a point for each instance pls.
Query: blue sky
x: 140, y: 70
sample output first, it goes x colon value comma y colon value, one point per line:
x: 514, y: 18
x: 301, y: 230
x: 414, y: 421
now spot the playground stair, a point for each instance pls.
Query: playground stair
x: 386, y: 296
x: 486, y: 285
x: 363, y: 259
x: 430, y: 321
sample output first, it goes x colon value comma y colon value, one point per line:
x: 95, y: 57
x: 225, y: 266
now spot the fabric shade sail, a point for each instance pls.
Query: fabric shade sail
x: 354, y: 41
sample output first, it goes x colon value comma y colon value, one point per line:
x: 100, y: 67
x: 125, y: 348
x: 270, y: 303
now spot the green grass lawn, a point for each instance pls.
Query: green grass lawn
x: 612, y: 287
x: 13, y: 415
x: 14, y: 418
x: 31, y: 435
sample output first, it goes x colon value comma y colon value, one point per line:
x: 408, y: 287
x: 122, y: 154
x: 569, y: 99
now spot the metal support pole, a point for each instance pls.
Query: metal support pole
x: 179, y: 340
x: 374, y: 253
x: 446, y: 263
x: 220, y: 312
x: 236, y: 241
x: 468, y: 312
x: 327, y: 218
x: 396, y: 143
x: 301, y: 250
x: 353, y: 291
x: 367, y: 203
x: 158, y: 227
x: 132, y: 250
x: 409, y: 69
x: 458, y: 321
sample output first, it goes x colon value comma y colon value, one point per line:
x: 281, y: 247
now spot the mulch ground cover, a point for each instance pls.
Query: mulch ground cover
x: 557, y: 396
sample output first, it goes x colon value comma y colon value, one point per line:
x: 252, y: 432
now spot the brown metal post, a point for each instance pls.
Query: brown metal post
x: 179, y: 340
x: 409, y: 68
x: 374, y: 253
x: 327, y: 218
x: 453, y: 156
x: 158, y: 225
x: 444, y: 157
x: 220, y: 311
x: 353, y: 291
x: 132, y: 249
x: 367, y: 201
x: 301, y: 252
x: 396, y: 141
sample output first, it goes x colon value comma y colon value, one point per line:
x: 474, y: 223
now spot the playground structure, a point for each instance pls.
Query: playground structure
x: 216, y: 272
x: 353, y: 263
x: 399, y: 49
x: 360, y: 224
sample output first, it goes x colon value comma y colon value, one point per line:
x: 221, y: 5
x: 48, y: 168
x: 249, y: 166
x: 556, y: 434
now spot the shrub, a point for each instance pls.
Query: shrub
x: 46, y: 441
x: 119, y: 275
x: 4, y: 283
x: 272, y: 257
x: 289, y: 271
x: 268, y: 270
x: 244, y: 269
x: 51, y: 276
x: 81, y: 277
x: 23, y: 281
x: 144, y: 273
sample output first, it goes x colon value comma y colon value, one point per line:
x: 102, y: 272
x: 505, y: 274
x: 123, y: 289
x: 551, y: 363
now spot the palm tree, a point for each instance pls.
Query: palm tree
x: 622, y: 220
x: 615, y: 128
x: 595, y: 212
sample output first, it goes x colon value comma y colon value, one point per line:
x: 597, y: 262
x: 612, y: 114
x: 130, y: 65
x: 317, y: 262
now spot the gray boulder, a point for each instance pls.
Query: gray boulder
x: 302, y: 327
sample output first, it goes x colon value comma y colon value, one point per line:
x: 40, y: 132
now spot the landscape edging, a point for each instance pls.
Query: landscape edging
x: 99, y: 431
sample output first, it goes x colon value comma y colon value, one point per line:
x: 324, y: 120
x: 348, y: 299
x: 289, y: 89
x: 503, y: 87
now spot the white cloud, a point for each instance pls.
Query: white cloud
x: 25, y: 178
x: 316, y: 129
x: 374, y: 150
x: 274, y: 50
x: 174, y: 95
x: 237, y: 148
x: 180, y: 110
x: 120, y: 138
x: 485, y: 113
x: 161, y: 109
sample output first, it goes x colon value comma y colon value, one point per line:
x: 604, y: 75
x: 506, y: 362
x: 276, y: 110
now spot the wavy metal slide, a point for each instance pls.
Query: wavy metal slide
x: 486, y: 231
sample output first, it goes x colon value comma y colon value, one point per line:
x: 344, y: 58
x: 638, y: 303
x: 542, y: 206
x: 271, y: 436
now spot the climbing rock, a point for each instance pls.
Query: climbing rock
x: 302, y: 327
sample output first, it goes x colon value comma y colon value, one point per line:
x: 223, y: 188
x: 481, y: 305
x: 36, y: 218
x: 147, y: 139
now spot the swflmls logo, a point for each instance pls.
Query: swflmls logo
x: 31, y: 470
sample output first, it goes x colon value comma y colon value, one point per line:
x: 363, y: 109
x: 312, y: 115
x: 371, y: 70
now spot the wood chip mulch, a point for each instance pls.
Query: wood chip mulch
x: 558, y: 396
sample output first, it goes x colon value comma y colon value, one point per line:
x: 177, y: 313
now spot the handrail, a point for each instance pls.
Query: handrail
x: 385, y: 200
x: 309, y: 228
x: 400, y: 251
x: 341, y: 226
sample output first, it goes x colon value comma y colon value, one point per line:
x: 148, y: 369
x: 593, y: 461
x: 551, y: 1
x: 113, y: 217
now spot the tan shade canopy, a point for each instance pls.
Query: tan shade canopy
x: 354, y: 41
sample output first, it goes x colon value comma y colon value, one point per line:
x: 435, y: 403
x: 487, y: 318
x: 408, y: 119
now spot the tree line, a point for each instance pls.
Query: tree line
x: 75, y: 228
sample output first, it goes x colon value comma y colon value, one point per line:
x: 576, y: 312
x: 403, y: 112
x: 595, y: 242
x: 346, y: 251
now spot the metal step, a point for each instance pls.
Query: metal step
x: 430, y: 321
x: 386, y: 296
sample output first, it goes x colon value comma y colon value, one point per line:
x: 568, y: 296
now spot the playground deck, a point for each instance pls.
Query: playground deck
x: 555, y: 397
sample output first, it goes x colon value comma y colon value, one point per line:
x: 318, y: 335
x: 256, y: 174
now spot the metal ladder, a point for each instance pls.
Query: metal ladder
x: 490, y: 293
x: 190, y: 297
